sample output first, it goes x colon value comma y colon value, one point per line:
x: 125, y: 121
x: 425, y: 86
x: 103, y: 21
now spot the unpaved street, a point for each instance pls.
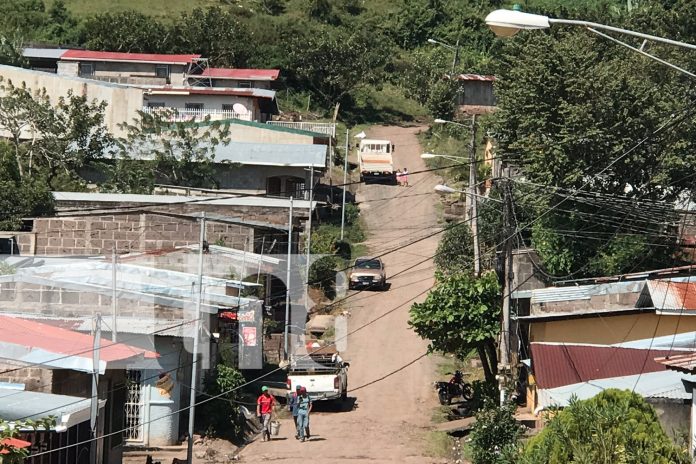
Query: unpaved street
x: 393, y: 395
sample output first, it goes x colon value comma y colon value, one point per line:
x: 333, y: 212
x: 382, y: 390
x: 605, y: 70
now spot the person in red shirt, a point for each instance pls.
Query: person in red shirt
x: 264, y: 409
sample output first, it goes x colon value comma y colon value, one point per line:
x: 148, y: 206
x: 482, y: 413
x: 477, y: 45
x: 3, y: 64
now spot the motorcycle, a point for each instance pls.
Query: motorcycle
x: 456, y: 387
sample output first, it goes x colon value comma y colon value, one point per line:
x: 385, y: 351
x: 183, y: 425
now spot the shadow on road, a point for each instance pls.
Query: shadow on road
x: 335, y: 406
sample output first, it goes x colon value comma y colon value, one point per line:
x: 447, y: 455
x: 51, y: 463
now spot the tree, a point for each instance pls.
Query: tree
x: 495, y: 434
x: 613, y: 427
x: 333, y: 63
x: 461, y: 313
x: 62, y: 26
x: 176, y: 153
x: 127, y: 31
x: 417, y: 21
x: 272, y: 7
x: 455, y: 252
x: 216, y: 34
x: 569, y: 104
x: 442, y: 99
x: 322, y: 11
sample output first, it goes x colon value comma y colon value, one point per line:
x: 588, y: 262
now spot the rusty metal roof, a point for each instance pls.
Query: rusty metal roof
x: 475, y: 77
x: 679, y: 362
x: 556, y: 365
x: 673, y: 295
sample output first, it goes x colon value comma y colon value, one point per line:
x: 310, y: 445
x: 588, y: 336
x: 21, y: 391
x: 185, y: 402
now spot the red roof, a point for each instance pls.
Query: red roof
x: 679, y: 362
x: 38, y: 336
x: 12, y: 443
x: 242, y: 74
x: 258, y: 93
x: 559, y: 365
x: 670, y: 295
x: 89, y: 55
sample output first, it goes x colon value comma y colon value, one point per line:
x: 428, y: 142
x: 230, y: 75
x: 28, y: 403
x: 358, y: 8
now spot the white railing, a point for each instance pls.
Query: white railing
x: 185, y: 114
x: 325, y: 128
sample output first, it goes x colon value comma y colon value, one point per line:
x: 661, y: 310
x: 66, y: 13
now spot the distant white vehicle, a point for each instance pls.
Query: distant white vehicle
x: 375, y: 161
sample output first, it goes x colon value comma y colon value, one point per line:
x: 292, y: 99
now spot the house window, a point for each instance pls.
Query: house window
x: 244, y: 84
x: 86, y: 69
x: 228, y: 108
x: 162, y: 70
x: 155, y: 104
x: 294, y: 187
x: 273, y: 186
x: 194, y: 106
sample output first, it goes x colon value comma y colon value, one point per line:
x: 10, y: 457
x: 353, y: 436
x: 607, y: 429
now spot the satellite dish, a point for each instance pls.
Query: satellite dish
x: 239, y: 108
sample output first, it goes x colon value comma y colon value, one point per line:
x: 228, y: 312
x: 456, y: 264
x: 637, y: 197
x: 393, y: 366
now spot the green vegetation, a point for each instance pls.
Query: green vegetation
x: 10, y: 429
x: 459, y: 314
x: 438, y: 444
x: 614, y: 426
x: 495, y: 434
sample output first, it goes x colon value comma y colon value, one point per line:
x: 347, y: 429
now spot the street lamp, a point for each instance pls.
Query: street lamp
x: 455, y: 48
x: 444, y: 121
x: 446, y: 190
x: 506, y: 23
x: 433, y: 155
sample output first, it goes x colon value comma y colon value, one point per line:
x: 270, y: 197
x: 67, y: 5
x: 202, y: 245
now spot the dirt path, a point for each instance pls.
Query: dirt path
x: 391, y: 416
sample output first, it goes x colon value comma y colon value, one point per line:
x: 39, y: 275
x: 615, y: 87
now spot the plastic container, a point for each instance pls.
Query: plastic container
x: 275, y: 428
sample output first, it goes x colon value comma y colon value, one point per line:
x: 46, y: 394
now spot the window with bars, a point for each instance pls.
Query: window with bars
x: 134, y: 407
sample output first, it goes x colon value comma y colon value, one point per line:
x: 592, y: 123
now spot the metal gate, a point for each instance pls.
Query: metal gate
x: 135, y: 407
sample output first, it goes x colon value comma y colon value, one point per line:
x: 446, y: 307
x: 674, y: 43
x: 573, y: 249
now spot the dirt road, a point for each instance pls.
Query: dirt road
x: 389, y: 379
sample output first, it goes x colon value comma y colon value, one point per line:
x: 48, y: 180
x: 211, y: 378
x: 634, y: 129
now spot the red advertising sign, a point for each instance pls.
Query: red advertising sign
x: 249, y: 336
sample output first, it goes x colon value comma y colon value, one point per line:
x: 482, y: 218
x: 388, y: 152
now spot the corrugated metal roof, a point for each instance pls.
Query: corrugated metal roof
x: 556, y: 365
x: 33, y: 342
x: 475, y: 77
x: 90, y: 55
x: 682, y: 362
x: 667, y: 384
x: 583, y: 292
x: 673, y: 294
x: 46, y: 53
x: 244, y: 74
x: 186, y: 90
x: 242, y: 200
x: 69, y: 410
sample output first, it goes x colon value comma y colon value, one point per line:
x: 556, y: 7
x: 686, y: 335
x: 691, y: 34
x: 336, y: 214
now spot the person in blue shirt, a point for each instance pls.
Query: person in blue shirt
x: 304, y: 407
x: 292, y: 407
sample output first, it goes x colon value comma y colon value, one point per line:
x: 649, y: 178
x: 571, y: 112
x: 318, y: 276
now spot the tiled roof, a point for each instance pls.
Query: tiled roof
x: 89, y: 55
x: 682, y: 362
x: 242, y: 74
x: 556, y: 365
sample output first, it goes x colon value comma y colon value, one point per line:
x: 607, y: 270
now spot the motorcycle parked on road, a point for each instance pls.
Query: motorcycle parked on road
x: 456, y: 387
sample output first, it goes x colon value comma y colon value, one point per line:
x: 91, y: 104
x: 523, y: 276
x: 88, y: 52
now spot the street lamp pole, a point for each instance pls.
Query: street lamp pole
x: 454, y: 48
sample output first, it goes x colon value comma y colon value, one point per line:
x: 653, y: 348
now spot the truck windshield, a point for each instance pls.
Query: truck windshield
x: 367, y: 264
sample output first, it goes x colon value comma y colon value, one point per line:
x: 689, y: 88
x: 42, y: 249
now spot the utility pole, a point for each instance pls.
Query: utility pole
x: 456, y: 58
x: 114, y: 307
x: 474, y: 198
x: 504, y: 363
x: 94, y: 405
x: 287, y: 287
x: 309, y: 235
x: 196, y: 334
x: 345, y: 180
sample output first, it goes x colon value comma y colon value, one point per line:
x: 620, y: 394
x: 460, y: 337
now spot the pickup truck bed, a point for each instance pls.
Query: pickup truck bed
x: 322, y: 379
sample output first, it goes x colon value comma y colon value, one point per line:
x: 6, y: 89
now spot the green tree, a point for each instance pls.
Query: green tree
x: 177, y: 153
x: 216, y: 34
x: 423, y: 70
x: 62, y: 26
x: 417, y: 21
x: 442, y: 99
x: 127, y: 31
x: 459, y: 314
x: 569, y: 104
x: 272, y: 7
x: 322, y: 11
x: 495, y: 434
x: 10, y: 429
x: 613, y: 427
x: 455, y: 251
x: 333, y: 63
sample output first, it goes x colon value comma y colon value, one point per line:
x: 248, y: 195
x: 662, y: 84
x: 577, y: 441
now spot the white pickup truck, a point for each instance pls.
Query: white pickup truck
x: 375, y: 161
x: 323, y: 373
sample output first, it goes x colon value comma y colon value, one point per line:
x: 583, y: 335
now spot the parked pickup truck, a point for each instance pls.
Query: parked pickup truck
x: 323, y: 373
x: 375, y: 161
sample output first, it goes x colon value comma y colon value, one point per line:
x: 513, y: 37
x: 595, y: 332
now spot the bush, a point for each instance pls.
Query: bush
x: 613, y: 427
x: 322, y: 274
x: 222, y: 418
x: 495, y: 434
x: 455, y: 252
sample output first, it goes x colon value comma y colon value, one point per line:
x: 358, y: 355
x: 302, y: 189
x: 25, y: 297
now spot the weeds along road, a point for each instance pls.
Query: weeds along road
x: 390, y: 418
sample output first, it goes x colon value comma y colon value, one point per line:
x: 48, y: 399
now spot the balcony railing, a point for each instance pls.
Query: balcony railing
x: 325, y: 128
x: 185, y: 114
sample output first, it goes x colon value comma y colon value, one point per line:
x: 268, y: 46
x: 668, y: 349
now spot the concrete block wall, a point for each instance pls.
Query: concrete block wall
x: 34, y: 378
x: 95, y: 235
